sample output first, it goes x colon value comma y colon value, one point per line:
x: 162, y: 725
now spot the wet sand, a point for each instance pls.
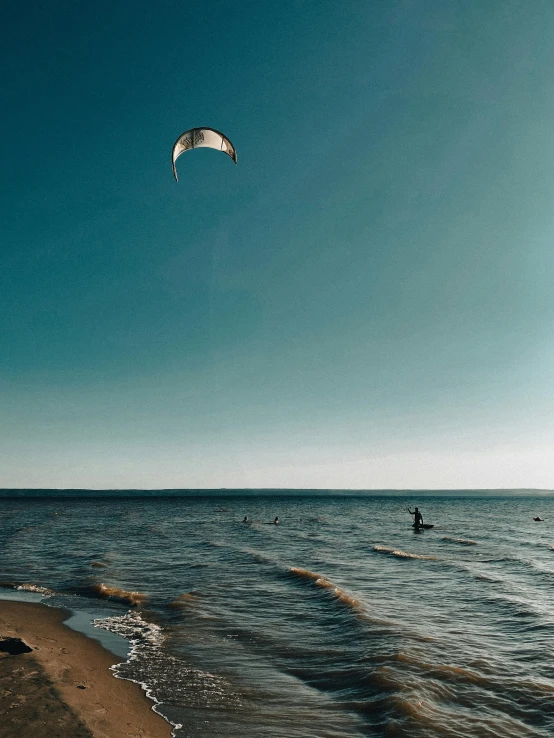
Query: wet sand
x: 64, y: 686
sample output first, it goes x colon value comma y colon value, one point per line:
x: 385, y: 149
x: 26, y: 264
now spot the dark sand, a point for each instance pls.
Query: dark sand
x: 41, y: 693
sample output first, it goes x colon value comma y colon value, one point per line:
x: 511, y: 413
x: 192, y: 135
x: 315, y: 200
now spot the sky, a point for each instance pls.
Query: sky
x: 365, y: 301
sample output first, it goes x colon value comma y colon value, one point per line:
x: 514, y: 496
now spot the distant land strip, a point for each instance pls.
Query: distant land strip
x: 267, y: 491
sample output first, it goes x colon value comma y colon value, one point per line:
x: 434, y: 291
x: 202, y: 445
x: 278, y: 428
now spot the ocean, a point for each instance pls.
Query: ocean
x: 341, y: 621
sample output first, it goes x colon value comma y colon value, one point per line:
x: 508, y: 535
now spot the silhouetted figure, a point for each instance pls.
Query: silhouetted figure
x: 418, y: 517
x: 245, y: 519
x: 276, y: 521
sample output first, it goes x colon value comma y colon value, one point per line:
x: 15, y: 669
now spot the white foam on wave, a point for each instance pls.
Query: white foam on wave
x: 142, y: 636
x: 150, y: 667
x: 132, y: 627
x: 320, y: 581
x: 44, y: 591
x: 402, y: 554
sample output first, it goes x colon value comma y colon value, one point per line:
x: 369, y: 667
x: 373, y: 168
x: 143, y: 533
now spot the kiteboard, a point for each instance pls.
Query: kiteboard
x: 423, y: 525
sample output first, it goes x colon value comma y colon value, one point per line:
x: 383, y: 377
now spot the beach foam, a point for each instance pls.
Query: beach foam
x: 44, y: 591
x: 163, y: 677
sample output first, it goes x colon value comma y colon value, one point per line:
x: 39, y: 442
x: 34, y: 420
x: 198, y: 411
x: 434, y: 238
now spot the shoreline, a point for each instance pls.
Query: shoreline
x: 66, y: 681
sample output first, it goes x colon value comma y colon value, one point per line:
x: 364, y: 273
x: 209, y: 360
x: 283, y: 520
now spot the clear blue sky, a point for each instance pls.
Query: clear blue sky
x: 365, y: 301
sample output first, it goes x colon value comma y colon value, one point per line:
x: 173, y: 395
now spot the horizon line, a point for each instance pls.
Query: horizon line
x: 278, y: 489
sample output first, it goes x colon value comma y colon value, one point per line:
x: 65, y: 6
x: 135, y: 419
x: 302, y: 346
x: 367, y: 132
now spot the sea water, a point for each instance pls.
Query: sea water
x: 341, y: 621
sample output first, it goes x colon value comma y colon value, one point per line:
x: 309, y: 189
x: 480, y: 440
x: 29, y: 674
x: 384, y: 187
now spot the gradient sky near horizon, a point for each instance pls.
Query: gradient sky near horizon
x: 365, y: 301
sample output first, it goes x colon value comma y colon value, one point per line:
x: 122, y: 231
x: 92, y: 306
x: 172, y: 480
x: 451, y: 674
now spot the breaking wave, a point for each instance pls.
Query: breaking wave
x: 166, y: 679
x: 44, y: 591
x: 402, y: 554
x: 105, y: 591
x: 23, y: 587
x: 319, y: 581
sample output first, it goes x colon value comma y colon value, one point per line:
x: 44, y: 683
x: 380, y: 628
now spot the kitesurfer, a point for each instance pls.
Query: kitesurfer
x: 418, y: 517
x: 245, y: 519
x: 276, y: 521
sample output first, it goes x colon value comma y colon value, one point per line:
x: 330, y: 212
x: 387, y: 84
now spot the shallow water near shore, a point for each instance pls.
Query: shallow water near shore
x: 339, y: 622
x: 82, y: 622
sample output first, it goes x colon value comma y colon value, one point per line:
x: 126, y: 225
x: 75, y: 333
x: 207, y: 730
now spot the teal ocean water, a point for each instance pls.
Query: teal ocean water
x: 339, y: 622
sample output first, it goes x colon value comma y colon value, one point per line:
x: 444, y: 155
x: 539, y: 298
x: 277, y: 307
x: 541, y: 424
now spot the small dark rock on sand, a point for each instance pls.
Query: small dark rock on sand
x: 14, y: 646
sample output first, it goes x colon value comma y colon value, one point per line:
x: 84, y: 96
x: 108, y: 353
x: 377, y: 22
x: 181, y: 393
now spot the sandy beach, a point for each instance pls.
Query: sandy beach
x: 64, y: 687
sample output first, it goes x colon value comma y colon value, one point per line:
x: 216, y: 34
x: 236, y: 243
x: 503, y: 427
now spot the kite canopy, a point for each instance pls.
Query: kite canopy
x: 196, y: 138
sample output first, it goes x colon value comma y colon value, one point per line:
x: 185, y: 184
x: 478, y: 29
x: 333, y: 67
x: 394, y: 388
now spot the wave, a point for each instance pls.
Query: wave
x: 402, y: 554
x: 319, y: 581
x: 24, y: 587
x: 132, y: 627
x: 167, y: 680
x: 98, y: 564
x: 35, y: 588
x: 142, y: 636
x: 259, y: 556
x: 304, y: 573
x: 183, y: 600
x: 464, y: 541
x: 102, y: 591
x: 490, y: 578
x: 448, y: 672
x: 517, y: 607
x: 105, y: 591
x: 532, y: 566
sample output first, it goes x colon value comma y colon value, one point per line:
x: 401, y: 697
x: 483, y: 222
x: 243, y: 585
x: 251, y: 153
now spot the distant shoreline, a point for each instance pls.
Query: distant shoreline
x: 76, y: 493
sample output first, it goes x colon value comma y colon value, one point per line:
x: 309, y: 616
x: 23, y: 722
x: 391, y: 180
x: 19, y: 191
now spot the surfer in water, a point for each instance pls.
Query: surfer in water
x: 276, y: 521
x: 418, y: 517
x: 245, y: 519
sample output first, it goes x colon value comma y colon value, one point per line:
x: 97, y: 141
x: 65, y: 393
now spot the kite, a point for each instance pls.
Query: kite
x: 196, y: 138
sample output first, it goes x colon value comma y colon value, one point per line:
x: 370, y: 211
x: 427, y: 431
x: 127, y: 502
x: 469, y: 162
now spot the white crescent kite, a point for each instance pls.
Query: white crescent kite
x: 196, y: 138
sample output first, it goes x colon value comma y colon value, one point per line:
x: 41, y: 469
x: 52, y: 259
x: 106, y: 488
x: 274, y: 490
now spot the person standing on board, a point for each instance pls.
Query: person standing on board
x: 418, y: 517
